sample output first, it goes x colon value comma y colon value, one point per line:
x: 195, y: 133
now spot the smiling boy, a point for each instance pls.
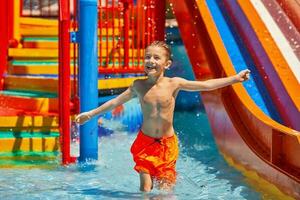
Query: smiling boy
x: 155, y: 149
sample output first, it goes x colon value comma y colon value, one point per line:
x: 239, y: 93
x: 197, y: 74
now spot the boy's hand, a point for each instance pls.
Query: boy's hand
x: 243, y: 75
x: 82, y: 118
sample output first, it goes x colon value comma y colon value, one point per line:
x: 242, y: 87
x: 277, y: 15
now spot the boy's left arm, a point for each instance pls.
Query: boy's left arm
x: 213, y: 83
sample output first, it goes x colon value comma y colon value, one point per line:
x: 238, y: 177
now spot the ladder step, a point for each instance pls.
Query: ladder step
x: 50, y: 85
x: 53, y: 53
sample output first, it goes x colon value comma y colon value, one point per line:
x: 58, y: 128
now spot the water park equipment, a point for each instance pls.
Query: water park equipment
x: 31, y: 74
x: 242, y: 131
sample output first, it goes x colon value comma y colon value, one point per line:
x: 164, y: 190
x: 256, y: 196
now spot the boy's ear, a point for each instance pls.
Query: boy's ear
x: 169, y: 63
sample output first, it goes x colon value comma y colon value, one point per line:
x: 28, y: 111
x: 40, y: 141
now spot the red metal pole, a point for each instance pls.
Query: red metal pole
x: 143, y: 27
x: 21, y: 7
x: 120, y: 33
x: 126, y: 34
x: 138, y: 20
x: 148, y: 22
x: 113, y: 33
x: 75, y: 65
x: 12, y: 42
x: 131, y: 28
x: 159, y: 19
x: 64, y: 80
x: 106, y: 10
x: 6, y: 27
x: 100, y: 21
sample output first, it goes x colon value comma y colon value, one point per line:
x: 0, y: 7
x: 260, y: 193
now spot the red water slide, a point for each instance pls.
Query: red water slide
x: 241, y: 130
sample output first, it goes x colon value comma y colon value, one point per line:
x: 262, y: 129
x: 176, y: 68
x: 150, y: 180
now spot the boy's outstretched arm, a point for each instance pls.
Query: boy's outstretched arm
x: 109, y: 105
x: 213, y: 83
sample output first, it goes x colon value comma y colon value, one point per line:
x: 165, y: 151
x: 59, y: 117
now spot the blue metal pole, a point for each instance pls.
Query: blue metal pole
x: 88, y: 77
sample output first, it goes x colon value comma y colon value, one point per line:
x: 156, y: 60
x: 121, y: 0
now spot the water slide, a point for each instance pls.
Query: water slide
x: 255, y: 124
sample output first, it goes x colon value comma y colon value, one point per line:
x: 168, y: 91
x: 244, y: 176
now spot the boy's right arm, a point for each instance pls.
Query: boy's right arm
x: 109, y: 105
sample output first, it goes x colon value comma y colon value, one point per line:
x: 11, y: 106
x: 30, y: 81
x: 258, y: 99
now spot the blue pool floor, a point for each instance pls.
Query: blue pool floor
x: 202, y: 172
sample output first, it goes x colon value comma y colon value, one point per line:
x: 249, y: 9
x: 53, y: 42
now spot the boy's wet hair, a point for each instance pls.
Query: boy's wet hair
x: 164, y: 46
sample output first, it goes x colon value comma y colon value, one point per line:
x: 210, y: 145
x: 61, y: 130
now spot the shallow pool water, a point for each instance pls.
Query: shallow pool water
x: 202, y: 172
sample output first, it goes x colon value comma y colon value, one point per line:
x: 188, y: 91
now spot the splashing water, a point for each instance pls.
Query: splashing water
x: 202, y: 172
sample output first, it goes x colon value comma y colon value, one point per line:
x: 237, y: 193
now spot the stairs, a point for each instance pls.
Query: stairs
x: 29, y: 101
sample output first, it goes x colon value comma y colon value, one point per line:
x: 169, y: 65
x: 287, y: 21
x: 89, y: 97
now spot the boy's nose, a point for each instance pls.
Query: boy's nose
x: 152, y: 60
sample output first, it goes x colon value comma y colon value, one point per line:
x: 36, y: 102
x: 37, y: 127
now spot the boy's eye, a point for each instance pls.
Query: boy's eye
x: 147, y: 57
x: 156, y: 57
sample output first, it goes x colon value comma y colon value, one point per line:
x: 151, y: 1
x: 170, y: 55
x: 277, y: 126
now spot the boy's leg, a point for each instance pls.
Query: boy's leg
x: 146, y: 183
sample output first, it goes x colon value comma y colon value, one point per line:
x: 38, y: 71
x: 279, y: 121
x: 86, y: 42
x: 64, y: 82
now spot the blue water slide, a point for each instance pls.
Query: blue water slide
x: 241, y: 59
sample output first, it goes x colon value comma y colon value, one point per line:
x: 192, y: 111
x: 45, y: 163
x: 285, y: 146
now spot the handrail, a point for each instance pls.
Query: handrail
x: 64, y: 81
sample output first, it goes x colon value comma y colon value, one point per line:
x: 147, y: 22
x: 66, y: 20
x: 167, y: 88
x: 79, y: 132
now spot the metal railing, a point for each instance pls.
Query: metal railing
x: 126, y: 29
x: 39, y: 8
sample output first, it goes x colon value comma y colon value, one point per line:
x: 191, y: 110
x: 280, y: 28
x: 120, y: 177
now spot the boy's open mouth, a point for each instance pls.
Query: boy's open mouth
x: 150, y: 67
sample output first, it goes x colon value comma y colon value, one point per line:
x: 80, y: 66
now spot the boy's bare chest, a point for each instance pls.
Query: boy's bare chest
x: 157, y: 97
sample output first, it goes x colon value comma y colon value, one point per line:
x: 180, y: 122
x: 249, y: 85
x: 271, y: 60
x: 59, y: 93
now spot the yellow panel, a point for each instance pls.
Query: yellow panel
x: 53, y: 53
x: 51, y: 69
x: 117, y: 83
x: 54, y: 44
x: 27, y: 30
x: 38, y: 21
x: 38, y: 31
x: 50, y: 84
x: 31, y: 52
x: 28, y: 121
x: 29, y: 144
x: 34, y: 21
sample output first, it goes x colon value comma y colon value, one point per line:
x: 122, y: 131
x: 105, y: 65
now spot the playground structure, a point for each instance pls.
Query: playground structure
x: 264, y: 139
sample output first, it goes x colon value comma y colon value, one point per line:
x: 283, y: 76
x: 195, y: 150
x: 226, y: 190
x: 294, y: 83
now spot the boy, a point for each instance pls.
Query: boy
x: 155, y: 150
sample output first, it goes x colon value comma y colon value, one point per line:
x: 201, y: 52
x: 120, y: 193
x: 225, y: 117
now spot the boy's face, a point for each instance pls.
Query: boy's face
x: 156, y: 60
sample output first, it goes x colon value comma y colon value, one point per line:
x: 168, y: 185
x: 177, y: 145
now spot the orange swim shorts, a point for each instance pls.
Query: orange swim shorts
x: 156, y: 156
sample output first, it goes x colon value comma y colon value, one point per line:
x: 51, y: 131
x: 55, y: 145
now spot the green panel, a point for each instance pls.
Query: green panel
x: 35, y: 94
x: 48, y: 39
x: 23, y: 134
